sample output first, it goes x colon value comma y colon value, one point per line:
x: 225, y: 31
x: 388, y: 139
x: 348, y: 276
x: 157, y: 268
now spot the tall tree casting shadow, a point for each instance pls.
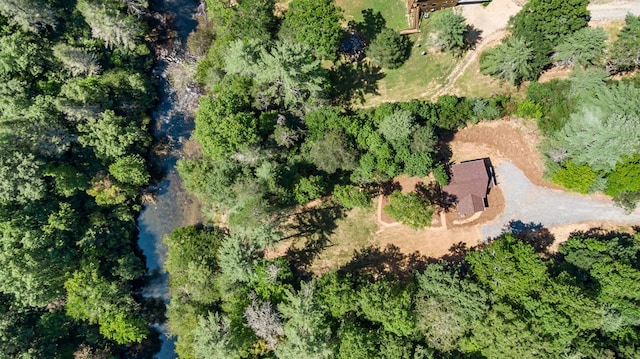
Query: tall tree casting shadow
x: 313, y: 227
x: 354, y: 81
x: 373, y: 262
x: 534, y: 234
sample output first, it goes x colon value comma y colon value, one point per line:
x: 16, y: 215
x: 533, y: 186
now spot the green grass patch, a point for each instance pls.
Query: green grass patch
x: 474, y: 84
x: 393, y: 11
x: 419, y: 77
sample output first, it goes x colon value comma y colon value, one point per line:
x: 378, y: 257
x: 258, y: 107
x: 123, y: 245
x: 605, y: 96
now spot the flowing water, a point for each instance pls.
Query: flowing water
x: 171, y: 127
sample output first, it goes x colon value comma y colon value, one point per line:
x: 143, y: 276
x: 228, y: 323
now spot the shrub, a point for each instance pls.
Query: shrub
x: 351, y: 196
x: 409, y: 209
x: 578, y: 178
x: 529, y: 109
x: 309, y: 188
x: 625, y: 178
x: 441, y: 175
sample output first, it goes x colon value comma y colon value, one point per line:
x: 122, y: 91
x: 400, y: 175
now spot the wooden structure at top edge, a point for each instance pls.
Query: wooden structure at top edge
x: 415, y: 9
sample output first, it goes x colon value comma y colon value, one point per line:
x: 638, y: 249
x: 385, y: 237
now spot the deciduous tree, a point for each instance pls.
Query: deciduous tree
x: 509, y: 267
x: 93, y: 298
x: 21, y: 177
x: 316, y: 23
x: 410, y: 209
x: 333, y: 152
x: 388, y: 304
x: 130, y: 169
x: 350, y: 196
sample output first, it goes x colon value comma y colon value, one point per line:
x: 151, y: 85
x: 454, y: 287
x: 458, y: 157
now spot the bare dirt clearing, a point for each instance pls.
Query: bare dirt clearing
x: 508, y: 143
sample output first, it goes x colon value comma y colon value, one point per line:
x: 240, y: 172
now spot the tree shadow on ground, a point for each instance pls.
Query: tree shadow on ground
x: 433, y: 194
x: 353, y: 78
x: 372, y: 263
x: 371, y: 25
x: 387, y: 188
x: 457, y: 253
x: 444, y: 152
x: 353, y: 81
x: 313, y: 226
x: 605, y: 234
x: 472, y: 37
x: 534, y: 234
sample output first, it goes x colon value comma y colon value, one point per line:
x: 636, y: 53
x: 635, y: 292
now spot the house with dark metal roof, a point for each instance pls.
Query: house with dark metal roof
x: 469, y: 185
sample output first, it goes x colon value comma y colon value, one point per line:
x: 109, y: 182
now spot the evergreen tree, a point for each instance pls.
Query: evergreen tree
x: 450, y: 28
x: 624, y: 54
x: 583, y: 48
x: 109, y: 24
x: 389, y: 49
x: 307, y: 334
x: 511, y: 60
x: 543, y: 24
x: 31, y: 15
x: 78, y: 61
x: 316, y: 24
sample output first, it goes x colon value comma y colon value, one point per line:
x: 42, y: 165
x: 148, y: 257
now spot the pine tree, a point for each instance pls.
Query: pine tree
x: 31, y: 15
x: 510, y: 60
x: 109, y: 25
x: 79, y: 62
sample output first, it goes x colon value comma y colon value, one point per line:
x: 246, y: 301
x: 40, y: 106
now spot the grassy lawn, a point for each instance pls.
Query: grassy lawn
x: 473, y: 83
x: 419, y: 77
x: 355, y: 231
x: 393, y: 11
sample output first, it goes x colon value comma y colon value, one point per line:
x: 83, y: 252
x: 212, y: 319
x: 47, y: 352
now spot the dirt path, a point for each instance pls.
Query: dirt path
x: 491, y: 21
x: 470, y: 57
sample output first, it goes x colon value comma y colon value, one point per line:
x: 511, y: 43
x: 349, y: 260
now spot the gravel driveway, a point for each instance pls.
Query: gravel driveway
x: 613, y: 10
x: 527, y: 202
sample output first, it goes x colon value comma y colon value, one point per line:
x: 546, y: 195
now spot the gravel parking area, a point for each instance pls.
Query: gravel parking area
x: 613, y: 10
x: 527, y: 202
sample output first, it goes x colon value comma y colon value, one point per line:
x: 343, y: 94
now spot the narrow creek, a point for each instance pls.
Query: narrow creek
x: 171, y: 127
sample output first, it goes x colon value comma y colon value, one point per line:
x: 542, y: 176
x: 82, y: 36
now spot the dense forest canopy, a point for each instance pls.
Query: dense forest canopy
x: 505, y: 301
x: 277, y: 131
x: 74, y: 99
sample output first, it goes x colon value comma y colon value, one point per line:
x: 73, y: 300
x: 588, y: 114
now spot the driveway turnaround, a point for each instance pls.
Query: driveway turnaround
x: 529, y: 203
